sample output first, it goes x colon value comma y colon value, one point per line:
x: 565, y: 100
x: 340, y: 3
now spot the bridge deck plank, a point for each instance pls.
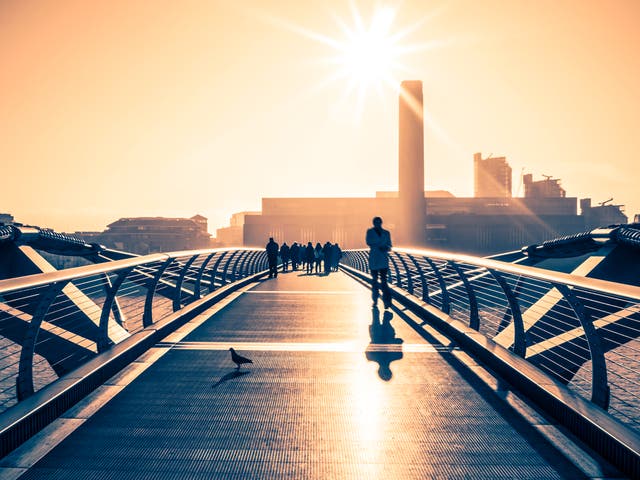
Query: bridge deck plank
x: 318, y: 402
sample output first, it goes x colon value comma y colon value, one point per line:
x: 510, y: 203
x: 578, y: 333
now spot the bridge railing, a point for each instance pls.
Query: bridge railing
x: 582, y: 332
x: 52, y: 323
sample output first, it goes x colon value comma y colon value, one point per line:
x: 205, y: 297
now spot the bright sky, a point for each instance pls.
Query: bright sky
x: 163, y: 108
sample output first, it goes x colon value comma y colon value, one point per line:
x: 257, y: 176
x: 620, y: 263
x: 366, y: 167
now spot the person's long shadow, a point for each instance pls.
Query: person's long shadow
x: 385, y: 347
x: 231, y: 376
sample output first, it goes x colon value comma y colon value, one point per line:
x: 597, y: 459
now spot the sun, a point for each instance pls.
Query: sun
x: 367, y: 56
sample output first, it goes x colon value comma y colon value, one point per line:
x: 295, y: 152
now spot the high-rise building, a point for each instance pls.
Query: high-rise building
x: 492, y: 177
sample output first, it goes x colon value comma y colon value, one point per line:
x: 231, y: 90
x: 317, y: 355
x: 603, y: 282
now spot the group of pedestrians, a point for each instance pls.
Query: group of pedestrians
x: 319, y: 259
x: 313, y: 259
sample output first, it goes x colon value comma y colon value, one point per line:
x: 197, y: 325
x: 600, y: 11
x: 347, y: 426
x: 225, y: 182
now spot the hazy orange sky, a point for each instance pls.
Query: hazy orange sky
x: 162, y: 108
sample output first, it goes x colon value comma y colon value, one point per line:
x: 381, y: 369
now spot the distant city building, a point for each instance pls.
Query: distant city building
x: 601, y: 215
x: 492, y: 177
x: 491, y: 222
x: 473, y: 225
x: 6, y: 218
x: 233, y: 234
x: 144, y: 235
x: 549, y: 187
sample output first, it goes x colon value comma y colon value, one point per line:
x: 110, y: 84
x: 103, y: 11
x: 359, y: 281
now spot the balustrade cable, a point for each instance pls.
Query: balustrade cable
x: 583, y: 332
x: 52, y: 323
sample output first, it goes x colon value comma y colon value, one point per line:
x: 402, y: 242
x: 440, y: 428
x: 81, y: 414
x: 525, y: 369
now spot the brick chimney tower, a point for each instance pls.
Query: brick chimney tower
x: 410, y: 230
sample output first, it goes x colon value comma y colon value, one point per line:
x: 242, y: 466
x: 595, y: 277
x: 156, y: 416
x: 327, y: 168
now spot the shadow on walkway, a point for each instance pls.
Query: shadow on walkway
x: 383, y: 335
x: 230, y: 376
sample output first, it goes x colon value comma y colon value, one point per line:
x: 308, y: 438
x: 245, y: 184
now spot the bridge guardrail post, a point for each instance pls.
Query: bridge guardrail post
x: 519, y: 341
x: 600, y: 392
x: 474, y: 317
x: 446, y: 303
x: 248, y: 255
x: 234, y: 268
x: 409, y: 276
x: 118, y: 315
x: 397, y: 271
x: 24, y: 380
x: 225, y: 272
x: 177, y: 299
x: 147, y: 316
x: 253, y: 263
x: 203, y: 267
x: 214, y: 271
x: 111, y: 298
x: 423, y: 279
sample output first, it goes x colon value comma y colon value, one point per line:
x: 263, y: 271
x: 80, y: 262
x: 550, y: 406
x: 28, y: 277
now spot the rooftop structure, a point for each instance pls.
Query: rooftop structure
x: 492, y: 177
x: 156, y: 234
x: 549, y: 187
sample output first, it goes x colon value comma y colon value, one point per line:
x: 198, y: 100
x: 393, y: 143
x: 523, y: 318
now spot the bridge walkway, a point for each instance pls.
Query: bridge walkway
x: 319, y: 401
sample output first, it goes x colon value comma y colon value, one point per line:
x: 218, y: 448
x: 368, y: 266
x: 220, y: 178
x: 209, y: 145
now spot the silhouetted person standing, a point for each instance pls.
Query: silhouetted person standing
x: 379, y: 241
x: 284, y: 255
x: 326, y: 253
x: 272, y: 256
x: 293, y: 251
x: 317, y: 253
x: 309, y: 257
x: 336, y: 255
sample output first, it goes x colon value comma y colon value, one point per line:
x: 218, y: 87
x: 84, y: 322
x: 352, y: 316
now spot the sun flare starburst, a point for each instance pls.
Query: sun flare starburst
x: 367, y: 54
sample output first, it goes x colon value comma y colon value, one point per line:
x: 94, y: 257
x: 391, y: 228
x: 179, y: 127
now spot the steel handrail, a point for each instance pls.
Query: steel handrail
x: 66, y: 317
x: 563, y: 324
x: 613, y: 288
x: 41, y: 279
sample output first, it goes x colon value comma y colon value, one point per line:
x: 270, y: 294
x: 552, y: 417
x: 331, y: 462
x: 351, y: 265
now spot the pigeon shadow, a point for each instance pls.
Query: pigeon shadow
x: 231, y: 376
x: 385, y: 347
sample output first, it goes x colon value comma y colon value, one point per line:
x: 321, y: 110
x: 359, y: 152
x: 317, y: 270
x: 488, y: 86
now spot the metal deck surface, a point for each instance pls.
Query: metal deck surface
x: 319, y: 401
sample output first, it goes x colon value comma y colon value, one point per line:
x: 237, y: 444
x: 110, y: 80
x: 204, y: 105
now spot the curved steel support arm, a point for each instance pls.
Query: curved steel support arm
x: 474, y: 317
x: 214, y: 271
x: 256, y: 261
x: 395, y: 267
x: 177, y: 297
x: 203, y: 267
x: 599, y: 384
x: 245, y: 259
x: 234, y: 268
x: 24, y: 380
x: 147, y: 316
x: 103, y: 342
x: 446, y: 302
x: 423, y: 279
x: 226, y: 267
x: 520, y: 341
x: 408, y: 272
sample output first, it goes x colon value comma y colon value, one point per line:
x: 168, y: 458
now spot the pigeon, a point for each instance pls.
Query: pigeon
x: 238, y: 359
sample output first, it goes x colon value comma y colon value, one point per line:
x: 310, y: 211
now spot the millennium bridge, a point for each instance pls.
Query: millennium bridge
x: 522, y: 365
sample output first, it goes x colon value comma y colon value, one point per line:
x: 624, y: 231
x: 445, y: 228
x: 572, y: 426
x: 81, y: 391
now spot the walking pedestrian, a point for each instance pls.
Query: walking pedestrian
x: 309, y: 258
x: 272, y: 249
x: 326, y: 253
x: 379, y: 241
x: 336, y: 255
x: 284, y: 255
x: 293, y: 252
x: 317, y: 253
